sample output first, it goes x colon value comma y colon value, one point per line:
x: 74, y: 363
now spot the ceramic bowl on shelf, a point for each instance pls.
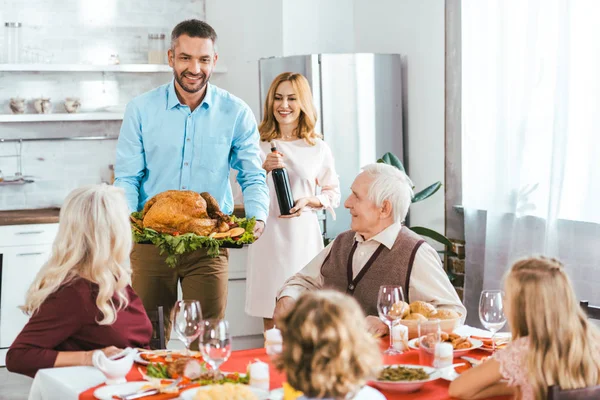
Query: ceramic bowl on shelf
x: 42, y: 105
x: 72, y: 104
x: 17, y: 105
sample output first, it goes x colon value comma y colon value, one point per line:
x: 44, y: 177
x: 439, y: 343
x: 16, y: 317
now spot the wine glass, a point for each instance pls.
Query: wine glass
x: 215, y: 343
x: 491, y: 312
x: 186, y: 317
x: 387, y: 298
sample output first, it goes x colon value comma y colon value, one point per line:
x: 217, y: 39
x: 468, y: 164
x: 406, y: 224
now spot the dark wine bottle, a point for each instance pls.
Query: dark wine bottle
x: 281, y: 181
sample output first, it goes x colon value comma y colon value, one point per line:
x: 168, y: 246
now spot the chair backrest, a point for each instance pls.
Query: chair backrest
x: 592, y: 312
x: 589, y: 393
x: 158, y: 329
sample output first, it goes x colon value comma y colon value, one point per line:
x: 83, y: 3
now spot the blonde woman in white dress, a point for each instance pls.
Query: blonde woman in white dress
x: 289, y: 242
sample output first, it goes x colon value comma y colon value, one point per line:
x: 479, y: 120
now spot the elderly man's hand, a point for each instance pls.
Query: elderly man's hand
x: 376, y: 327
x: 283, y: 306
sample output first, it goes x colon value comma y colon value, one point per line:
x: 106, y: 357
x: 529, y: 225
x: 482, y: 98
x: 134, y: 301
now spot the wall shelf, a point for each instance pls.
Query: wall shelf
x: 91, y: 116
x: 144, y: 68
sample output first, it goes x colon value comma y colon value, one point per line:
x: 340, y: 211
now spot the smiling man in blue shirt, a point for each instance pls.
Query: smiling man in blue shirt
x: 186, y: 135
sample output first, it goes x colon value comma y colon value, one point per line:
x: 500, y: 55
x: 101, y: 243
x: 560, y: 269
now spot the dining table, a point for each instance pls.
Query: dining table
x: 79, y: 383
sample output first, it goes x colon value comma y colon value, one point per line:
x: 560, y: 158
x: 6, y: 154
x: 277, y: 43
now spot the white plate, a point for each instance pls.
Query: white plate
x: 189, y: 394
x: 476, y: 343
x: 407, y: 386
x: 138, y: 358
x: 108, y: 391
x: 151, y: 379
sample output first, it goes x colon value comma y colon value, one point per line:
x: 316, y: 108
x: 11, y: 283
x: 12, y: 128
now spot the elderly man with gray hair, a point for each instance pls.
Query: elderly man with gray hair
x: 378, y: 250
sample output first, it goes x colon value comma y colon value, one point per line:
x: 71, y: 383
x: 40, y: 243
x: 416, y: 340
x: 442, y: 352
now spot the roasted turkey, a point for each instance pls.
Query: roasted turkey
x: 184, y: 211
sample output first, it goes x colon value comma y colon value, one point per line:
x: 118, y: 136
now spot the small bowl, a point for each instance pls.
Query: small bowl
x: 72, y: 105
x: 17, y: 105
x: 407, y: 386
x: 42, y: 105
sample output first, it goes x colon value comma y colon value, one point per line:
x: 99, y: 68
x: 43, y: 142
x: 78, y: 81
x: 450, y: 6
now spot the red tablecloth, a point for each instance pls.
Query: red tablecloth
x: 435, y: 390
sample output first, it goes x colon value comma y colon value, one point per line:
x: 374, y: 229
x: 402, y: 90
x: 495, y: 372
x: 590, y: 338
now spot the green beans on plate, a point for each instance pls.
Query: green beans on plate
x: 399, y: 374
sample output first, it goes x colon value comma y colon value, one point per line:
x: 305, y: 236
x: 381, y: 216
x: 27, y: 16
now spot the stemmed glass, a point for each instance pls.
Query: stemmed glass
x: 215, y: 343
x: 186, y: 317
x: 387, y: 298
x: 491, y: 312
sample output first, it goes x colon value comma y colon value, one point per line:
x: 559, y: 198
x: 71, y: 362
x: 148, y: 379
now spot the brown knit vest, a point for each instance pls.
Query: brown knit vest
x: 385, y: 267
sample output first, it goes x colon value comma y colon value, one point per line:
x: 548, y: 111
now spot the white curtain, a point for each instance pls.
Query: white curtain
x: 531, y: 139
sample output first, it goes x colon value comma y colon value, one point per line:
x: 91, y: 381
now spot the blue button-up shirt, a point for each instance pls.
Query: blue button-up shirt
x: 163, y: 145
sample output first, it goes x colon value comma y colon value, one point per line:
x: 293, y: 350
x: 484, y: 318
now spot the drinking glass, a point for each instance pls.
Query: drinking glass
x: 430, y: 335
x: 491, y: 312
x: 387, y: 298
x: 215, y: 343
x: 186, y: 317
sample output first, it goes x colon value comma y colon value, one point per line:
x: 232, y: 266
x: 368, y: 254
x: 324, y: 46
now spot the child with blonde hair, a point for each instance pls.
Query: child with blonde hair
x: 553, y: 342
x: 327, y: 350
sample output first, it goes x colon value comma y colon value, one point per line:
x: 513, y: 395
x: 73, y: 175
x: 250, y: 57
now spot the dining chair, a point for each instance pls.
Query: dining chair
x: 158, y: 328
x: 589, y: 393
x: 592, y: 312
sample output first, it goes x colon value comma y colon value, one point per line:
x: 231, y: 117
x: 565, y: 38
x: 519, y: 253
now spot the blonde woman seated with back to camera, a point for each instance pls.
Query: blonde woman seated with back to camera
x: 327, y: 350
x: 81, y: 300
x: 553, y: 342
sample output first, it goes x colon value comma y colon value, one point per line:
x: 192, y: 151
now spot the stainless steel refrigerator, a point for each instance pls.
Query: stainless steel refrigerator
x: 359, y: 100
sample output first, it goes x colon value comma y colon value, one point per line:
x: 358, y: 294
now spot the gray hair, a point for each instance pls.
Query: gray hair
x: 391, y: 184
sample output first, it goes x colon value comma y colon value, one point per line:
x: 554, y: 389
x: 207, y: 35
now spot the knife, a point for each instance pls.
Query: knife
x: 139, y: 395
x: 150, y: 392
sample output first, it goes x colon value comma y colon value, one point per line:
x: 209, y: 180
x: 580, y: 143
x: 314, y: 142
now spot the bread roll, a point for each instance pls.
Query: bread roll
x: 416, y: 317
x: 446, y: 314
x: 422, y: 308
x: 400, y: 309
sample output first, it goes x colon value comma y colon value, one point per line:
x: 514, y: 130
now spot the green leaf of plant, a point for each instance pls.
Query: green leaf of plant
x: 427, y: 192
x: 430, y: 233
x: 451, y: 276
x: 391, y: 159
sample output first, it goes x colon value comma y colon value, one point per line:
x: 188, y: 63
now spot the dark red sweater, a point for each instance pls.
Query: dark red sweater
x: 66, y: 321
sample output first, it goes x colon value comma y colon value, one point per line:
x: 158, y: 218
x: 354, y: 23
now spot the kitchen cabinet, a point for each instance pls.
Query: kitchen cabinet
x: 23, y: 251
x: 247, y: 331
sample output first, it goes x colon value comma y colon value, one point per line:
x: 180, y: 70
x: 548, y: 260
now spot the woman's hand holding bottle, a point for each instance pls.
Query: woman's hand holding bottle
x: 273, y: 161
x: 296, y: 211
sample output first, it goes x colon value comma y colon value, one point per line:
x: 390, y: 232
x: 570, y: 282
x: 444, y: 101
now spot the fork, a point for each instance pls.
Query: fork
x: 148, y: 392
